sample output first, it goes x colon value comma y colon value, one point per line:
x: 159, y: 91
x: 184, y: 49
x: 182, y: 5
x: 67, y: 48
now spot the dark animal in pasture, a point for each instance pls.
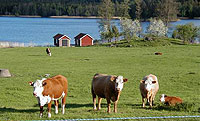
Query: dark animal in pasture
x: 50, y: 89
x: 170, y: 100
x: 148, y: 88
x: 48, y: 51
x: 109, y: 87
x: 158, y: 53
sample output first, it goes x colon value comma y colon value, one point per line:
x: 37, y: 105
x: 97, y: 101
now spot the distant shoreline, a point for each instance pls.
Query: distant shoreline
x: 78, y: 17
x: 90, y: 17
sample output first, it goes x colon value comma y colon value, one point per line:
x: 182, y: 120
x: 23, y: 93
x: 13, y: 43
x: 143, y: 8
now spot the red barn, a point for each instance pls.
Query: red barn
x: 61, y: 40
x: 83, y: 40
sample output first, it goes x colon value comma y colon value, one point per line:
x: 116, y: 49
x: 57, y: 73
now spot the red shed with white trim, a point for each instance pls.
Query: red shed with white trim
x: 83, y: 40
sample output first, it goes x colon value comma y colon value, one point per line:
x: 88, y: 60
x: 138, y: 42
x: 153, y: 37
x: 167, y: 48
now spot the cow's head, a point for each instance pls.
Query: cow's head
x: 162, y: 98
x: 149, y: 83
x: 119, y: 82
x: 38, y: 87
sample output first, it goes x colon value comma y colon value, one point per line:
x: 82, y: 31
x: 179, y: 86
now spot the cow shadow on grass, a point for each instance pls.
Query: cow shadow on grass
x: 37, y: 55
x: 13, y: 110
x: 135, y: 106
x: 74, y: 105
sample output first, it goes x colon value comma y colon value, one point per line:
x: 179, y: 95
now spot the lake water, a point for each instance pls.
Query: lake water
x: 41, y: 30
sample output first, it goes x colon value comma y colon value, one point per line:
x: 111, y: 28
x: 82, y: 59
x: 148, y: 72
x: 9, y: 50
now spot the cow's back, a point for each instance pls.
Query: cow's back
x: 100, y: 83
x: 55, y: 86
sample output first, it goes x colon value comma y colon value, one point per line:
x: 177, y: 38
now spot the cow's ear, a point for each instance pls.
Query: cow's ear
x: 153, y: 82
x: 113, y: 78
x: 142, y: 81
x: 31, y: 83
x: 44, y: 83
x: 125, y: 80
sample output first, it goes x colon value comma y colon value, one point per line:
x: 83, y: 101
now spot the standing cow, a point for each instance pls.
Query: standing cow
x: 48, y: 90
x: 148, y: 88
x: 107, y: 86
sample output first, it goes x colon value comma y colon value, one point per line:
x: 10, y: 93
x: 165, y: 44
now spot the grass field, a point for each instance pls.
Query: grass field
x: 177, y: 71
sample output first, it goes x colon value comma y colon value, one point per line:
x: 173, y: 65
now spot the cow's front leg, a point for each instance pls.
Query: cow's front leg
x: 56, y: 106
x: 94, y: 101
x: 151, y: 101
x: 99, y: 103
x: 49, y: 109
x: 143, y: 102
x: 108, y: 104
x: 41, y: 111
x: 115, y: 106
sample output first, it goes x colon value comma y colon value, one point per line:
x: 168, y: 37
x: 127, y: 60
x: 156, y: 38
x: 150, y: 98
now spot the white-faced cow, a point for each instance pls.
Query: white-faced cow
x: 50, y: 89
x: 148, y: 88
x: 170, y: 100
x: 107, y: 86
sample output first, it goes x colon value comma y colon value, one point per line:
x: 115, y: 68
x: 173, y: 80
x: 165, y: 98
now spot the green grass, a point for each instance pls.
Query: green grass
x: 177, y: 71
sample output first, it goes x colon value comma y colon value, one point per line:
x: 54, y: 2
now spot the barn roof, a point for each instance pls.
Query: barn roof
x: 58, y: 36
x: 79, y: 36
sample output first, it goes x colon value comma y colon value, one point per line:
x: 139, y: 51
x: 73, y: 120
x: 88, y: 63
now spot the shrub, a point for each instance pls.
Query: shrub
x: 187, y: 32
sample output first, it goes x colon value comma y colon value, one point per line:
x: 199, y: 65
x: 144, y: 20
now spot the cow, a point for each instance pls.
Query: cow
x: 109, y: 87
x: 50, y: 89
x: 170, y: 100
x: 148, y: 88
x: 158, y: 53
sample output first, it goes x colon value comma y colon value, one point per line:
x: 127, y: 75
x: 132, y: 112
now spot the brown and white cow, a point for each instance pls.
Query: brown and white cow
x: 107, y: 86
x: 149, y: 87
x: 50, y: 89
x: 170, y: 100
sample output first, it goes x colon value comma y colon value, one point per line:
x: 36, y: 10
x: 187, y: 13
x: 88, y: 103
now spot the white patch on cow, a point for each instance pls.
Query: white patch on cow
x: 119, y: 83
x: 38, y: 88
x: 56, y: 109
x: 44, y: 100
x: 148, y: 83
x: 162, y: 99
x: 63, y: 94
x: 63, y: 109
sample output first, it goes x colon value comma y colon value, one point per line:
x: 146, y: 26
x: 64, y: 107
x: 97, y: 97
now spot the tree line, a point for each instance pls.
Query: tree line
x: 131, y: 29
x: 140, y: 9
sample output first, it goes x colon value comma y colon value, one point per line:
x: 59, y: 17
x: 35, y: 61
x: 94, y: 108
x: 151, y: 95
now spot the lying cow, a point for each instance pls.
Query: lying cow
x: 48, y: 90
x: 148, y: 88
x: 169, y: 100
x: 109, y: 87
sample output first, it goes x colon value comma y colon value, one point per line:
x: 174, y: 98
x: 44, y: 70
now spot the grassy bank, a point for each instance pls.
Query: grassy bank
x: 177, y: 71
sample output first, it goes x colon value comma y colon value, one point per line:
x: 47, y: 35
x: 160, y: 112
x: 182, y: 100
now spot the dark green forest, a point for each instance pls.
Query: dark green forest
x: 142, y: 9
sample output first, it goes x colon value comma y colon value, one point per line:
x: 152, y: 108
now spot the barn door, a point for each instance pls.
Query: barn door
x: 64, y: 42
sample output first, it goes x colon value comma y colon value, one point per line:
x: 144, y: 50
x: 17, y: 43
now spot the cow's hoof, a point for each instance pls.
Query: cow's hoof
x: 41, y: 115
x: 49, y: 115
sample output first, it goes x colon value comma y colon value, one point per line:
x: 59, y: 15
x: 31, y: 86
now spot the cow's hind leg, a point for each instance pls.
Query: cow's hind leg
x: 63, y: 104
x: 56, y: 106
x: 94, y: 99
x: 99, y: 103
